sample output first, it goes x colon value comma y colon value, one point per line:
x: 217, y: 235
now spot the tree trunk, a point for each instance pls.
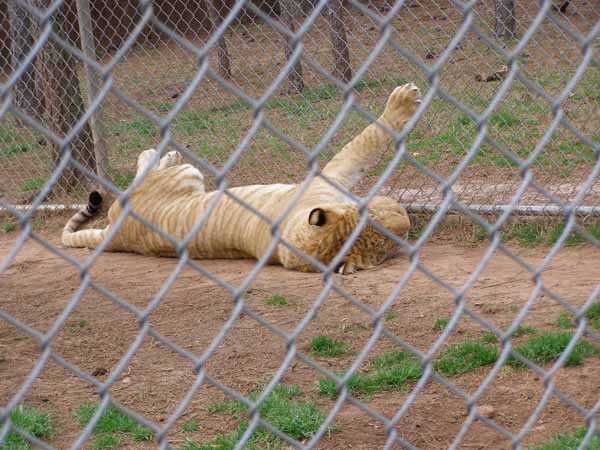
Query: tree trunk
x: 288, y: 18
x: 505, y: 19
x: 339, y: 44
x: 57, y: 71
x: 25, y: 91
x: 223, y: 53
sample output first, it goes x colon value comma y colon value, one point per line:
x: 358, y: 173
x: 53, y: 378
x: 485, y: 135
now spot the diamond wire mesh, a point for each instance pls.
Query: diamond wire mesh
x: 198, y: 92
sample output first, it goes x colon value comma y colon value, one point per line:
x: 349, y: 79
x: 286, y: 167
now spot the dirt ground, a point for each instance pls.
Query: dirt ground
x: 38, y: 285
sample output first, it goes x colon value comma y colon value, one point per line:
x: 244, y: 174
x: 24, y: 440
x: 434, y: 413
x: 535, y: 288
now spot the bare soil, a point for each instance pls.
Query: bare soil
x: 38, y: 286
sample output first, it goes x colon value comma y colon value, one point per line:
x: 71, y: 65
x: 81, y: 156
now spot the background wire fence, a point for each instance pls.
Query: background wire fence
x: 504, y: 122
x: 155, y: 69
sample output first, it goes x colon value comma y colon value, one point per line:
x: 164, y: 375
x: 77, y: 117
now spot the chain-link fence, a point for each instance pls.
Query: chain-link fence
x: 154, y: 70
x: 266, y: 93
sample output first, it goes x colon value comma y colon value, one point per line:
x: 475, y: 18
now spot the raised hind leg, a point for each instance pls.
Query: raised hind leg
x: 365, y: 150
x: 144, y: 160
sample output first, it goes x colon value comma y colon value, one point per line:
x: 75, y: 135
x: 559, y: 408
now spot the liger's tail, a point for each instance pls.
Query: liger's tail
x: 84, y: 238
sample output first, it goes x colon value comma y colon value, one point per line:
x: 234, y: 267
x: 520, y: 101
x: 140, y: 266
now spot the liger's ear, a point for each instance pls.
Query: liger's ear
x: 317, y: 217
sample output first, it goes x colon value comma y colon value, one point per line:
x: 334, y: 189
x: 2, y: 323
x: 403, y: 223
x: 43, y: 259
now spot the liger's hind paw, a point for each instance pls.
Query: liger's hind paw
x: 171, y: 159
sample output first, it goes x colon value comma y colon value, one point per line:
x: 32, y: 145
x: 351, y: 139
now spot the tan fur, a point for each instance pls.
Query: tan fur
x: 172, y: 197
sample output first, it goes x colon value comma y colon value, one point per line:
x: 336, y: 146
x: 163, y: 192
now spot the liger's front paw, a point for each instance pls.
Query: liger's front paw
x: 402, y: 104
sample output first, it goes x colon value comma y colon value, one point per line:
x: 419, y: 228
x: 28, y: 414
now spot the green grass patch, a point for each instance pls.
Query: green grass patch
x: 523, y: 330
x: 391, y: 315
x: 489, y: 338
x: 465, y: 356
x: 16, y: 149
x: 390, y: 371
x: 230, y: 407
x: 298, y: 419
x: 291, y: 108
x: 326, y: 346
x: 37, y: 223
x: 574, y: 237
x: 547, y: 347
x: 32, y: 184
x: 282, y: 409
x: 191, y: 426
x: 106, y: 441
x: 319, y: 93
x: 8, y: 227
x: 530, y: 234
x: 75, y: 326
x: 228, y: 441
x: 527, y: 234
x: 191, y: 122
x: 570, y: 441
x: 593, y: 314
x: 565, y: 320
x: 123, y: 180
x: 142, y: 126
x: 504, y: 119
x: 367, y: 85
x: 441, y: 323
x: 35, y: 422
x: 112, y: 421
x: 276, y: 300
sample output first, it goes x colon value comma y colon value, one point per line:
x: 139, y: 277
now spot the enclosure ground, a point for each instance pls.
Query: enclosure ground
x: 38, y: 285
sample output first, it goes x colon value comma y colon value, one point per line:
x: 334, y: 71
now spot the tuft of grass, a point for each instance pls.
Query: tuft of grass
x: 298, y: 419
x: 547, y: 347
x: 390, y: 371
x: 276, y: 300
x: 122, y: 181
x: 570, y: 441
x: 35, y: 422
x: 391, y: 315
x: 593, y: 314
x: 368, y: 85
x: 465, y: 356
x: 489, y: 338
x: 523, y: 330
x: 32, y: 184
x: 230, y: 407
x: 106, y: 441
x: 37, y: 224
x: 326, y: 346
x: 504, y: 119
x: 227, y: 441
x: 441, y: 323
x: 527, y: 234
x: 191, y: 122
x: 565, y: 320
x: 323, y: 92
x: 74, y: 326
x: 8, y: 227
x: 141, y: 126
x: 574, y: 237
x: 191, y: 426
x: 112, y: 421
x: 16, y: 149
